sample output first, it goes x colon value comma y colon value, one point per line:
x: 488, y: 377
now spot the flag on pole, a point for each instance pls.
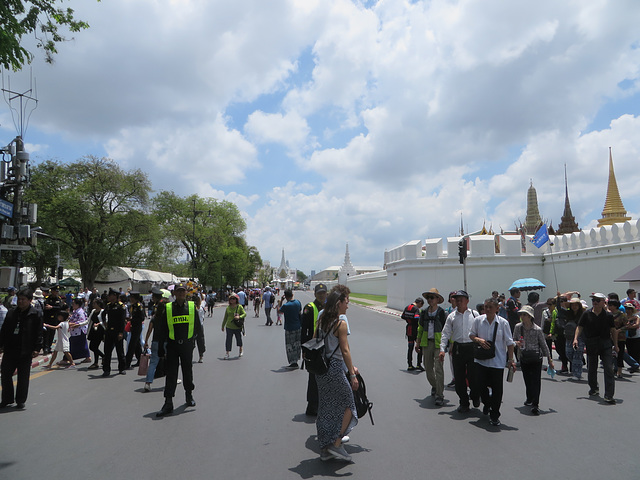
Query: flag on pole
x: 541, y: 237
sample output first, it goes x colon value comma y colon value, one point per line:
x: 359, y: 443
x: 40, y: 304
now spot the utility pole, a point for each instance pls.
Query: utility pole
x: 462, y: 256
x: 15, y: 215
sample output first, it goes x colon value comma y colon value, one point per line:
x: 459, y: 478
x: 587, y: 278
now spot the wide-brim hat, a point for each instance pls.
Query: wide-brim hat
x: 434, y: 291
x: 528, y: 309
x: 233, y: 295
x: 38, y: 294
x: 601, y: 296
x: 575, y: 300
x: 629, y: 306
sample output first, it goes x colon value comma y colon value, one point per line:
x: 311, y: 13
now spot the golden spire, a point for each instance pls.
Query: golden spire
x: 613, y: 211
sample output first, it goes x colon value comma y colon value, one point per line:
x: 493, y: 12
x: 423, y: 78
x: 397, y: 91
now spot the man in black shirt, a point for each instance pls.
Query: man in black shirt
x: 20, y: 340
x: 114, y: 333
x: 600, y: 336
x: 178, y: 325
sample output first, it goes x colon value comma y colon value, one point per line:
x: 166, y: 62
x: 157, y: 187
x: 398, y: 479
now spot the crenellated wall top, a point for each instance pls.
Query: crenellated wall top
x: 512, y: 245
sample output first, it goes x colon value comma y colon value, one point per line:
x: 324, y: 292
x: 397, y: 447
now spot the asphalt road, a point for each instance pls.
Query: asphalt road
x: 249, y: 422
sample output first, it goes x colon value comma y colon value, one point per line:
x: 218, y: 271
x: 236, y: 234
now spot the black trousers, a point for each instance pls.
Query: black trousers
x: 410, y: 349
x: 178, y: 353
x: 47, y: 339
x: 134, y: 344
x: 491, y: 378
x: 312, y: 394
x: 464, y: 372
x: 532, y: 381
x: 111, y: 341
x: 10, y: 362
x: 561, y: 345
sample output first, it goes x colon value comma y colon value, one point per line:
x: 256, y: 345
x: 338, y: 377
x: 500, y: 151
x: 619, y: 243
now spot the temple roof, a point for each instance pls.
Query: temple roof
x: 613, y: 211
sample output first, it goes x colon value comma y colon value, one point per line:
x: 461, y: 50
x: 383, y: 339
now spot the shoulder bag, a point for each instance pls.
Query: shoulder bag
x: 486, y: 353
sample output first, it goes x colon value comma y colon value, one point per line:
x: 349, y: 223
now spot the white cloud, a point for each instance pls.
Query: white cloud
x: 407, y: 114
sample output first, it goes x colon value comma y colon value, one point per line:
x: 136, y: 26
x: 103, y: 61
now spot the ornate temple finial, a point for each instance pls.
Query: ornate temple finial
x: 533, y: 220
x: 568, y: 222
x: 613, y: 211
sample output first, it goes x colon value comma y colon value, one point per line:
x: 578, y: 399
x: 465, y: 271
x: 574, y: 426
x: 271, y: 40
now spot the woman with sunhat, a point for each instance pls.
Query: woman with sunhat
x: 533, y: 348
x: 233, y: 315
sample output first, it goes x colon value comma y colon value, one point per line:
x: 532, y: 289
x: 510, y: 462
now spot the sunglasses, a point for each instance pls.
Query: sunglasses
x: 429, y: 297
x: 596, y: 300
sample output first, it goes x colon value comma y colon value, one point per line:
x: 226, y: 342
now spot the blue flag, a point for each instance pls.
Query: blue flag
x: 541, y: 237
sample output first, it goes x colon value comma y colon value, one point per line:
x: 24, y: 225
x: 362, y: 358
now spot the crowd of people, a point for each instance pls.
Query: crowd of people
x: 477, y: 343
x: 503, y: 333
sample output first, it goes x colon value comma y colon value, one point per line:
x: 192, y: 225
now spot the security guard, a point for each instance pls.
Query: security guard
x: 138, y: 316
x: 53, y: 305
x: 178, y: 325
x: 114, y: 333
x: 309, y: 323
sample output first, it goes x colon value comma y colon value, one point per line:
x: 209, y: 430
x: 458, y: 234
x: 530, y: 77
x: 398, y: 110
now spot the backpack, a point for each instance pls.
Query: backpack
x: 363, y: 405
x: 409, y: 313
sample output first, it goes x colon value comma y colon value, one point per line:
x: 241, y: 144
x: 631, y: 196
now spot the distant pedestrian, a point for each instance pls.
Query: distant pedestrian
x: 574, y: 354
x: 200, y: 342
x: 233, y: 318
x: 114, y: 333
x: 309, y: 324
x: 62, y: 345
x: 513, y: 306
x: 78, y: 322
x: 411, y: 315
x: 291, y: 309
x: 95, y: 333
x: 269, y: 299
x: 20, y: 341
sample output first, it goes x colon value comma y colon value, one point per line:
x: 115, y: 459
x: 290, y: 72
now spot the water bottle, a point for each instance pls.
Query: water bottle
x: 522, y: 342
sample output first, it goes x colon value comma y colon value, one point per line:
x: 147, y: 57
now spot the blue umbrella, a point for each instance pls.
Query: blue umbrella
x: 528, y: 284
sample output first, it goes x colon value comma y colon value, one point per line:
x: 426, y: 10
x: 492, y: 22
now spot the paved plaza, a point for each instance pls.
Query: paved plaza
x: 249, y: 421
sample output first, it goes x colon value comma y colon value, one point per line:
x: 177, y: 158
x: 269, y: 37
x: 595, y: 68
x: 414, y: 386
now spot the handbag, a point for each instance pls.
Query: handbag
x: 528, y: 357
x: 239, y: 322
x: 313, y: 354
x: 143, y: 368
x: 480, y: 353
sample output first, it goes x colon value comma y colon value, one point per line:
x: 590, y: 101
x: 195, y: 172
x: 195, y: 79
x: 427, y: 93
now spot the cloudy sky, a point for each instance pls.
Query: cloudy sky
x: 342, y: 121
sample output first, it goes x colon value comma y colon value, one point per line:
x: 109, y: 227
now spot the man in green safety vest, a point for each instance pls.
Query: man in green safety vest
x: 309, y: 323
x: 179, y: 326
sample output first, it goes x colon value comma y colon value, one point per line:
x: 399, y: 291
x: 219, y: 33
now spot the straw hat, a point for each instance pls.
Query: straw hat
x: 436, y: 293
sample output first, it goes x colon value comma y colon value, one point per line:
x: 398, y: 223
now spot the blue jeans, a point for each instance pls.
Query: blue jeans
x: 153, y: 362
x: 575, y: 357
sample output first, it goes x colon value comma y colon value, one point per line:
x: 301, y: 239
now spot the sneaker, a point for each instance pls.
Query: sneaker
x: 345, y: 439
x: 440, y: 401
x: 20, y: 406
x: 240, y: 354
x: 594, y: 392
x: 411, y: 368
x: 476, y: 402
x: 200, y: 359
x: 462, y: 409
x: 325, y: 456
x: 535, y: 411
x: 452, y: 383
x: 226, y: 356
x: 610, y: 400
x: 338, y: 452
x: 495, y: 423
x: 420, y: 368
x: 147, y: 387
x: 528, y: 403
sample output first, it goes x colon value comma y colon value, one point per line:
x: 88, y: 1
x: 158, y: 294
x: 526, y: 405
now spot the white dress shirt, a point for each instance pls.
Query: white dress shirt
x: 457, y: 327
x: 483, y: 329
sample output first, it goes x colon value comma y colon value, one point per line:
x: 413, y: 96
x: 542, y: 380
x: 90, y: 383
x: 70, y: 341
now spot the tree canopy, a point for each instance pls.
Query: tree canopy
x: 43, y: 18
x: 211, y: 232
x: 97, y: 211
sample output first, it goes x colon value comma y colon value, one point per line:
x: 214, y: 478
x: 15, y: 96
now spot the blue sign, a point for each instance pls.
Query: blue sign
x: 6, y: 208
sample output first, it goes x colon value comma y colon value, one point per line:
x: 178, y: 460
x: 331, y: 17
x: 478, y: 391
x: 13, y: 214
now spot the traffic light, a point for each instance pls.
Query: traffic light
x: 462, y: 250
x: 52, y: 272
x: 60, y: 272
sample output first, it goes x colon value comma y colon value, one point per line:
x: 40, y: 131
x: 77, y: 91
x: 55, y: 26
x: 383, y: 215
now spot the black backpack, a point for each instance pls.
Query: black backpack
x: 363, y: 405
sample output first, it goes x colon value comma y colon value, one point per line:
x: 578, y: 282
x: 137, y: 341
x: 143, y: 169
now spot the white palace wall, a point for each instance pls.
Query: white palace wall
x: 587, y: 261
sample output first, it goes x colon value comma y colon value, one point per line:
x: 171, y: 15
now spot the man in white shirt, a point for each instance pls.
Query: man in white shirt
x: 456, y: 329
x: 489, y: 372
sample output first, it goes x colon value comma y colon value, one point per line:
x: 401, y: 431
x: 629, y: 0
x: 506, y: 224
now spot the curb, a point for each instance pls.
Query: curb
x: 37, y: 362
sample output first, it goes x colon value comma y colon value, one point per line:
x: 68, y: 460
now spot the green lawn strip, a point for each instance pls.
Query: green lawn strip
x: 361, y: 298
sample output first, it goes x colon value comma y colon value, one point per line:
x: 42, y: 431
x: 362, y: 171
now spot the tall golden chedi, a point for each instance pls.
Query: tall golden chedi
x: 533, y: 220
x: 614, y: 211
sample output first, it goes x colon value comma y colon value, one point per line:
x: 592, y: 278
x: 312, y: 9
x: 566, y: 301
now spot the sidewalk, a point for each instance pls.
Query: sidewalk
x: 380, y: 307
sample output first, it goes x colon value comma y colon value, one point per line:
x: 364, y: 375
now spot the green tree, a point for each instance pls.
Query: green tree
x: 97, y: 211
x: 210, y: 232
x: 40, y: 17
x: 301, y: 276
